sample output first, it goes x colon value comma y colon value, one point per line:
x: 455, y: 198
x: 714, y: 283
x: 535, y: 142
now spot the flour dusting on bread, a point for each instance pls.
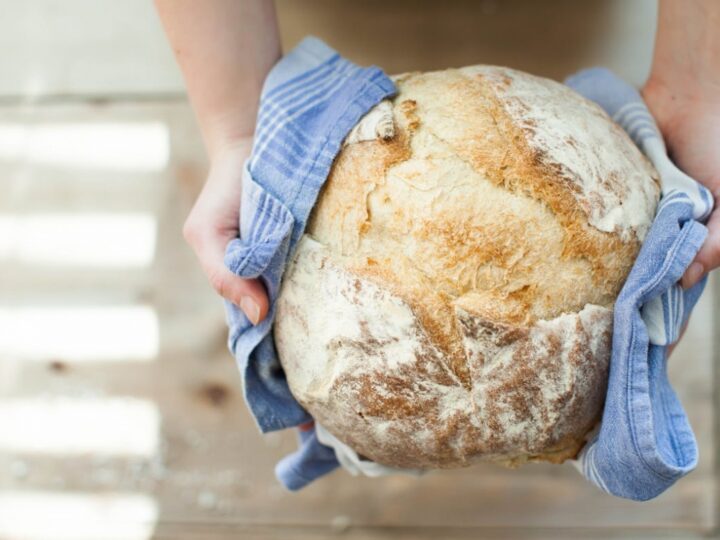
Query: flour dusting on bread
x: 591, y: 151
x: 451, y: 299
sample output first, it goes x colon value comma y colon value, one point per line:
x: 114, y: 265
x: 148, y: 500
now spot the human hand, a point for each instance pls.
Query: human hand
x: 690, y: 125
x: 214, y: 221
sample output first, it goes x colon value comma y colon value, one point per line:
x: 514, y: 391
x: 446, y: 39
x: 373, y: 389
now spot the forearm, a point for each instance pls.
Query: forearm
x: 686, y: 60
x: 224, y: 48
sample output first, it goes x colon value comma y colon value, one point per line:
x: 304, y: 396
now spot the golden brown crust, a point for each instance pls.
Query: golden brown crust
x: 487, y: 238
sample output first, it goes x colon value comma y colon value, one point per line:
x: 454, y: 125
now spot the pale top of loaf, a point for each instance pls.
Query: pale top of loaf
x: 500, y: 216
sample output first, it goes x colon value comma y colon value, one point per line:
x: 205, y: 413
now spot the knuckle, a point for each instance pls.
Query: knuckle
x: 218, y: 282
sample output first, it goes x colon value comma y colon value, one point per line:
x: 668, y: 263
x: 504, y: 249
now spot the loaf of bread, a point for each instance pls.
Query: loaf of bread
x: 451, y: 299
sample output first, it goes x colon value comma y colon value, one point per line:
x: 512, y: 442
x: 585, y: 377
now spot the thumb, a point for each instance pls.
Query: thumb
x: 248, y: 294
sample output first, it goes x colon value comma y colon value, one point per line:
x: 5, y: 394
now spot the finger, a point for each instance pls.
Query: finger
x: 708, y: 258
x: 246, y: 293
x: 307, y: 426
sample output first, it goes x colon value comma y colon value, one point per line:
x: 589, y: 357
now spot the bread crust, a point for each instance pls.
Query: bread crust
x: 451, y: 299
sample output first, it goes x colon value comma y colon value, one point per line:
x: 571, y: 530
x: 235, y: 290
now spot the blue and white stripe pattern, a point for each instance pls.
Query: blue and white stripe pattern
x: 310, y: 101
x: 645, y: 443
x: 634, y: 117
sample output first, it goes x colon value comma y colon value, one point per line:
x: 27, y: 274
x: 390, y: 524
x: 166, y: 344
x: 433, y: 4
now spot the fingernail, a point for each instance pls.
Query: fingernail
x: 251, y: 309
x: 693, y: 274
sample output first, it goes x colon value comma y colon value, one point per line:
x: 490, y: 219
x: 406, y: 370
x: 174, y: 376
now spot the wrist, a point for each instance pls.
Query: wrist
x: 234, y: 148
x: 227, y: 136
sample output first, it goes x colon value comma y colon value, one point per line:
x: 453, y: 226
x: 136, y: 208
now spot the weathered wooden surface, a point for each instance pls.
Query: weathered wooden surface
x: 180, y: 457
x: 212, y: 467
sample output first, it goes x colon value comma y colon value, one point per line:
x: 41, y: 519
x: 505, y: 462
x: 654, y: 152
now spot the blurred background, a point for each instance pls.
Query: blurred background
x: 121, y: 413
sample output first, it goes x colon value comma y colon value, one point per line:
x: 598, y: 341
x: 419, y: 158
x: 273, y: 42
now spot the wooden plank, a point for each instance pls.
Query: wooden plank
x: 212, y: 476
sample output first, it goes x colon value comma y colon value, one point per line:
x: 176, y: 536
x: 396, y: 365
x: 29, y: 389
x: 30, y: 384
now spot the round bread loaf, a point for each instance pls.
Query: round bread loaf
x: 451, y: 299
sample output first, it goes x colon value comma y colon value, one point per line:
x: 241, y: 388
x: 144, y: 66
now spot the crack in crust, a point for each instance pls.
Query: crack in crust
x: 378, y: 382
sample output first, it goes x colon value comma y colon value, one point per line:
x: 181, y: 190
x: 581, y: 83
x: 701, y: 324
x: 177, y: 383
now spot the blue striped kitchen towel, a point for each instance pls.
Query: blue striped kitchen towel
x: 645, y: 442
x: 309, y: 102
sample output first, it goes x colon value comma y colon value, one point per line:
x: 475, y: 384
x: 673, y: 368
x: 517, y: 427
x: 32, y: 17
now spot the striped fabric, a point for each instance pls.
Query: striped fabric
x: 635, y: 119
x: 664, y: 315
x: 310, y: 101
x: 645, y: 443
